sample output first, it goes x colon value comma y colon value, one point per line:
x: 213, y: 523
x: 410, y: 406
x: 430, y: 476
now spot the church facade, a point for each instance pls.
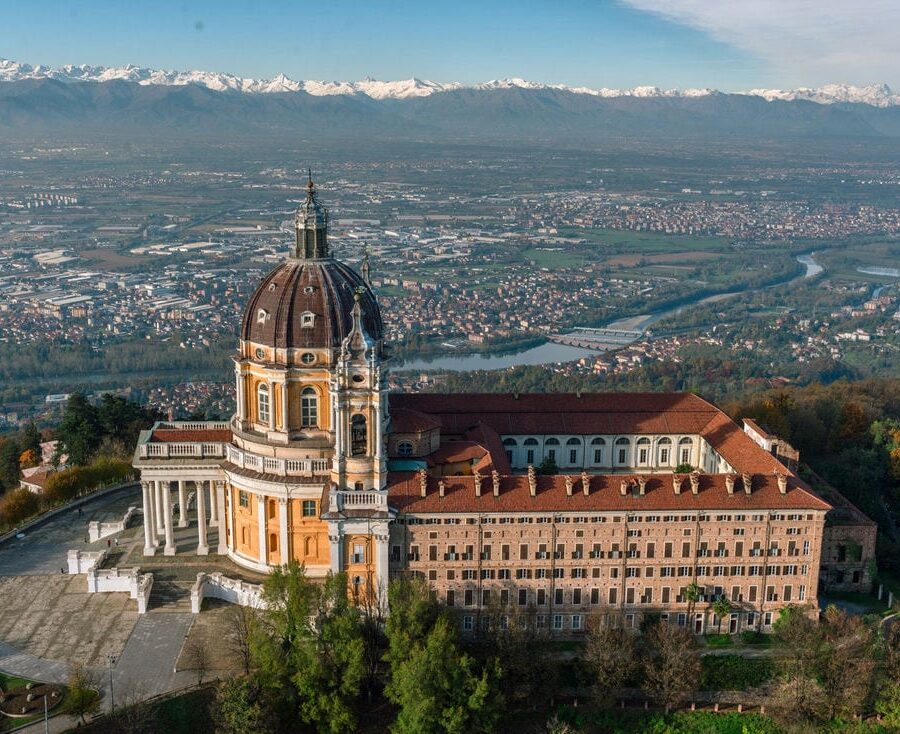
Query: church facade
x: 658, y: 503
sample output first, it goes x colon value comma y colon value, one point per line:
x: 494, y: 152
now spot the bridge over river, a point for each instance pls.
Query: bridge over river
x: 597, y: 338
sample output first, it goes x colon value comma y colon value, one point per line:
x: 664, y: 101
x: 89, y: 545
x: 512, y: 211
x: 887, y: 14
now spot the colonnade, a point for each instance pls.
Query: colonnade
x: 159, y: 520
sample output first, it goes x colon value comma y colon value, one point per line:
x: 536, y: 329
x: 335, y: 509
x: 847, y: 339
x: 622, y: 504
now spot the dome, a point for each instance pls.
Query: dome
x: 307, y: 304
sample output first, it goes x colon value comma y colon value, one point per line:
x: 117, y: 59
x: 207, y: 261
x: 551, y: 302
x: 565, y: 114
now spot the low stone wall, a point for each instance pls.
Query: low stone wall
x: 217, y: 586
x: 131, y: 580
x: 80, y: 561
x: 98, y: 530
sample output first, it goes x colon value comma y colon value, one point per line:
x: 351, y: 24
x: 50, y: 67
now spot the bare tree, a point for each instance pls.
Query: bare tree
x: 240, y: 622
x: 82, y: 697
x: 612, y: 654
x: 196, y: 656
x: 671, y: 664
x: 133, y: 715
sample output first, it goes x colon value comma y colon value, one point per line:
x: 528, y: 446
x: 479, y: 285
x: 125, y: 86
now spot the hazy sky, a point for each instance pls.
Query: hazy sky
x: 728, y: 44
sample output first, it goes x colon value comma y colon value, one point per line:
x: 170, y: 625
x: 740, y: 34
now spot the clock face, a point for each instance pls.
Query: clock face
x: 308, y: 358
x: 260, y: 353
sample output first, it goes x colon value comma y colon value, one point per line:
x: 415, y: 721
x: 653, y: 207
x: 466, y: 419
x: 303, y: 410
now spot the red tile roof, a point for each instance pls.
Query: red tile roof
x: 178, y: 435
x: 404, y: 420
x: 605, y: 494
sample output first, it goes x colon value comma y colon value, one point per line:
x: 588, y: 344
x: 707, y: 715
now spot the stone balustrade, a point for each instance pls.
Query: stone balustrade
x: 98, y: 530
x: 172, y: 450
x: 281, y: 467
x: 131, y: 580
x: 218, y: 586
x: 80, y: 561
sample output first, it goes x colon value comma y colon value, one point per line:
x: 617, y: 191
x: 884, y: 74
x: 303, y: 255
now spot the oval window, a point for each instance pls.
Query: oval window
x: 260, y: 353
x: 358, y: 378
x: 308, y: 358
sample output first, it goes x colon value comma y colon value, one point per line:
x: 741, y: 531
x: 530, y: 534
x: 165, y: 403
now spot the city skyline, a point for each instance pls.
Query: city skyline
x: 608, y: 44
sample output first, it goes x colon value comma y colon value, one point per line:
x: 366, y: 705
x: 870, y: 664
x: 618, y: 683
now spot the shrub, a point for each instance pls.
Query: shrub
x: 18, y: 505
x: 69, y: 483
x: 733, y: 672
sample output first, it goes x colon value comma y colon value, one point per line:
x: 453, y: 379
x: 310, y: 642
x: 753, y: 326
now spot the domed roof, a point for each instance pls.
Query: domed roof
x: 308, y: 303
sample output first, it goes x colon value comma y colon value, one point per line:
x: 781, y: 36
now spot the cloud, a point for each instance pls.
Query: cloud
x: 803, y: 41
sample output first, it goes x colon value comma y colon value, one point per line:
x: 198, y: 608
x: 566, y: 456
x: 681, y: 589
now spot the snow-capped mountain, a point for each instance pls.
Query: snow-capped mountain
x: 878, y: 95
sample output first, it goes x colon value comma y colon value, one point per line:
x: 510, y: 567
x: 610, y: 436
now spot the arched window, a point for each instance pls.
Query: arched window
x: 643, y: 451
x: 597, y: 445
x: 309, y: 408
x: 262, y: 403
x: 685, y: 450
x: 308, y: 547
x: 358, y: 435
x: 622, y: 448
x: 664, y: 451
x: 530, y: 444
x: 510, y: 446
x: 404, y: 448
x: 574, y: 448
x: 550, y: 453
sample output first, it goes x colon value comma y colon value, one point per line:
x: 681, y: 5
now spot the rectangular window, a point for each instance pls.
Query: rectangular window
x: 667, y: 550
x: 664, y: 456
x: 530, y: 456
x: 576, y: 621
x: 558, y: 596
x: 557, y: 621
x: 467, y: 623
x: 432, y: 552
x: 541, y: 597
x: 551, y: 454
x: 523, y: 597
x: 685, y: 456
x: 576, y: 596
x: 623, y: 453
x: 523, y: 552
x: 642, y: 456
x: 450, y: 597
x: 753, y: 593
x: 612, y: 595
x: 573, y: 456
x: 359, y: 553
x: 786, y: 596
x: 685, y: 550
x: 801, y: 593
x: 666, y: 592
x: 629, y: 595
x: 651, y: 550
x: 598, y: 456
x: 309, y: 508
x: 469, y: 597
x: 243, y: 499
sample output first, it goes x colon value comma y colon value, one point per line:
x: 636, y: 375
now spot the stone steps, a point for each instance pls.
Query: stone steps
x: 170, y: 596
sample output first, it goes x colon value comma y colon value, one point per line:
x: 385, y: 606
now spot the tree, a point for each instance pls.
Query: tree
x: 692, y: 594
x: 79, y: 429
x: 722, y: 608
x: 31, y: 438
x: 671, y: 663
x: 28, y: 459
x: 798, y: 698
x: 196, y: 656
x: 510, y: 637
x: 239, y: 707
x: 414, y: 612
x: 439, y: 690
x: 240, y: 629
x: 9, y: 463
x: 18, y: 505
x: 846, y: 663
x: 612, y: 654
x: 82, y: 697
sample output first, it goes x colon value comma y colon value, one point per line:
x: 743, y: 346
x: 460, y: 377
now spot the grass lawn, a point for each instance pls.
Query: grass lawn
x: 646, y: 242
x: 719, y: 641
x: 9, y: 682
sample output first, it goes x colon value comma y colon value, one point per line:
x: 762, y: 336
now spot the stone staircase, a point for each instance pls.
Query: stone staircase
x: 168, y: 595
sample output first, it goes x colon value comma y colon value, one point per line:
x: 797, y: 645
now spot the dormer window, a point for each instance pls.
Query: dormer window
x: 307, y: 320
x: 262, y: 316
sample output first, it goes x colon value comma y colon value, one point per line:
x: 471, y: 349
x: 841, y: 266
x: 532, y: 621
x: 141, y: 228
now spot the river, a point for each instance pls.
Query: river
x: 552, y: 353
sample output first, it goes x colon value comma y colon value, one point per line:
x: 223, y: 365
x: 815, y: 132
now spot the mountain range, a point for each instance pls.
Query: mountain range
x: 129, y: 99
x: 878, y: 95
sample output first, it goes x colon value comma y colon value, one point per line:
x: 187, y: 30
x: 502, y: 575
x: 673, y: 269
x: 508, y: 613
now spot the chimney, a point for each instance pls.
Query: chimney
x: 423, y: 482
x: 532, y: 481
x: 695, y: 482
x: 495, y: 478
x: 747, y: 481
x: 477, y: 484
x: 782, y: 482
x: 441, y: 487
x: 729, y: 482
x: 676, y: 483
x: 585, y: 483
x: 642, y: 484
x: 623, y: 487
x: 569, y: 483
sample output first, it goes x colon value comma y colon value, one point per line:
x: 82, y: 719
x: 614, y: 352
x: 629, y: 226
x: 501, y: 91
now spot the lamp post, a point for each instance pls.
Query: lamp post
x: 46, y: 717
x: 111, y: 659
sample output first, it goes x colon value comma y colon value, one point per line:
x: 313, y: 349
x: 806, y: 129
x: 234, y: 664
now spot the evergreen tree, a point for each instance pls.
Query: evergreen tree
x: 79, y: 430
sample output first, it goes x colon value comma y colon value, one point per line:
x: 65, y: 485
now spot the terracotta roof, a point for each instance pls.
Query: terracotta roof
x: 542, y: 413
x: 38, y: 478
x: 592, y: 413
x: 605, y: 494
x: 404, y: 420
x: 325, y: 288
x: 455, y: 451
x: 177, y: 435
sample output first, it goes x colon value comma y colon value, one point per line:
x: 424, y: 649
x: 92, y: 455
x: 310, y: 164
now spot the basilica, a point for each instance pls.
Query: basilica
x: 564, y: 505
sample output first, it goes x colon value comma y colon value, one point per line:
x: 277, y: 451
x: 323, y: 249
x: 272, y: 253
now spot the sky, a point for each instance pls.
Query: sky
x: 733, y: 45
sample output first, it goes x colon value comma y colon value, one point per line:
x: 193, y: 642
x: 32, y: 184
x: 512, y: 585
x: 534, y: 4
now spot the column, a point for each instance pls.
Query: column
x: 271, y: 405
x: 261, y: 511
x: 220, y: 502
x: 213, y: 504
x: 283, y: 531
x: 150, y: 519
x: 182, y: 505
x: 202, y: 545
x: 284, y: 405
x: 378, y: 428
x: 146, y: 496
x: 382, y: 558
x: 334, y: 541
x: 159, y: 514
x: 167, y: 519
x: 241, y: 393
